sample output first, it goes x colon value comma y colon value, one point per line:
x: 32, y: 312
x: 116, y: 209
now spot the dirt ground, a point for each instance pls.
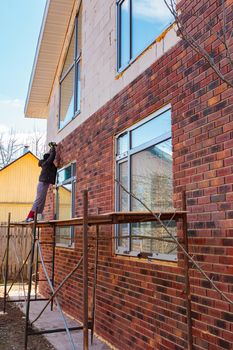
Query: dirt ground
x: 12, y: 331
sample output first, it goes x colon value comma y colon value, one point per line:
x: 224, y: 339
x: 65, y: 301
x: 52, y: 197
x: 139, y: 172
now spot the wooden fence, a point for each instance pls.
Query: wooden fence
x: 20, y: 245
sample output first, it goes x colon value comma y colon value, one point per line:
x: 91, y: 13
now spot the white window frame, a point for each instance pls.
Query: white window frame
x: 126, y: 156
x: 72, y: 179
x: 132, y: 58
x: 77, y: 73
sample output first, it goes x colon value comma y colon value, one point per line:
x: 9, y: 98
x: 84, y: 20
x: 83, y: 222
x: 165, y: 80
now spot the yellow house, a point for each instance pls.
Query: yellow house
x: 18, y: 182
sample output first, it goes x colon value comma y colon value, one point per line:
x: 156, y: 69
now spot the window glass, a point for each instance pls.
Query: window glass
x: 64, y: 174
x: 63, y: 234
x: 67, y: 99
x: 70, y: 55
x: 70, y: 85
x: 140, y: 23
x: 78, y: 88
x: 123, y: 178
x: 65, y: 203
x: 152, y: 177
x: 153, y: 230
x: 124, y: 33
x: 149, y: 19
x: 123, y: 203
x: 154, y: 128
x: 79, y: 34
x: 122, y: 144
x: 152, y: 183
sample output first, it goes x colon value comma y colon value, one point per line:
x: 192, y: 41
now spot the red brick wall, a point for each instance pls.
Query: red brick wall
x: 140, y: 304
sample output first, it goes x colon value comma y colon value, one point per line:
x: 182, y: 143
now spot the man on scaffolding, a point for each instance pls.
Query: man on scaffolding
x: 47, y: 177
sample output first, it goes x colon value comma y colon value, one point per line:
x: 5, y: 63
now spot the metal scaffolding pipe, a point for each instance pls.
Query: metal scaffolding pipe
x: 58, y: 289
x: 30, y: 282
x: 85, y: 270
x: 187, y: 281
x: 7, y: 262
x: 57, y: 302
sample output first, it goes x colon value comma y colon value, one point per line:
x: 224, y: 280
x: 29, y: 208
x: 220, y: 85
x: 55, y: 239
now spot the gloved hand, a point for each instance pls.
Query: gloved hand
x: 52, y: 144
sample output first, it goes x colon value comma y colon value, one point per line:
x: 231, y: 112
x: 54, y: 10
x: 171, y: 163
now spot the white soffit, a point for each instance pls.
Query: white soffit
x: 50, y: 43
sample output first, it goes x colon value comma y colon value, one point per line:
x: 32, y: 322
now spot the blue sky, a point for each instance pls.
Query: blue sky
x: 20, y: 22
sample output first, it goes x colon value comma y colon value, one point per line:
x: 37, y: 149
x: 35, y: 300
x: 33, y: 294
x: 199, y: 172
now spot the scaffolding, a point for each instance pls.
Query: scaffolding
x: 86, y: 221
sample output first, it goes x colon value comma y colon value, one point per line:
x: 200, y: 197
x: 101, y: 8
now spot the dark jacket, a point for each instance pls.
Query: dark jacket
x: 49, y: 170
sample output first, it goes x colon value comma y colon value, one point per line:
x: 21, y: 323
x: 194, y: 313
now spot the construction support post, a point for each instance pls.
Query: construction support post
x: 95, y: 283
x: 53, y: 263
x: 85, y: 270
x: 7, y: 262
x: 187, y: 281
x: 30, y: 281
x: 37, y: 265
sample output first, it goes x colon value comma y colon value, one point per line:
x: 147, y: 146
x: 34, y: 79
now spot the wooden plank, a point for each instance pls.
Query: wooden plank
x: 112, y: 218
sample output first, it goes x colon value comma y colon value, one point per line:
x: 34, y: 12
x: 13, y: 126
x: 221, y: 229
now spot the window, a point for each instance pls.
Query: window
x: 139, y: 23
x: 144, y: 167
x: 65, y: 203
x: 70, y: 88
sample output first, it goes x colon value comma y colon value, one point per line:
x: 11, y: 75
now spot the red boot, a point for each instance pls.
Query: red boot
x: 30, y: 216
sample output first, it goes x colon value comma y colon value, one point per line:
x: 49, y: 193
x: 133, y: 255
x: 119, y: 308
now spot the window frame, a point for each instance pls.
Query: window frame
x: 77, y: 73
x: 132, y: 58
x: 127, y: 157
x: 73, y: 181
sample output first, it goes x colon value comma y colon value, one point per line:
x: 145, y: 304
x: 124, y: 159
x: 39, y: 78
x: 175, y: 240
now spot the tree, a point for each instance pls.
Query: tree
x: 13, y: 145
x: 218, y: 27
x: 36, y: 142
x: 9, y: 148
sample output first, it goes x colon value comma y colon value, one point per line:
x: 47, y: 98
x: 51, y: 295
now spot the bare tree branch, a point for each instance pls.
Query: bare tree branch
x: 195, y: 264
x: 9, y: 148
x: 12, y: 144
x: 225, y: 40
x: 199, y: 47
x: 36, y: 141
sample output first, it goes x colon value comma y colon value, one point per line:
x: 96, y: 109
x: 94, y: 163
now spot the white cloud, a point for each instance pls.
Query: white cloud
x: 15, y: 103
x: 24, y: 129
x: 153, y: 10
x: 12, y: 117
x: 3, y: 129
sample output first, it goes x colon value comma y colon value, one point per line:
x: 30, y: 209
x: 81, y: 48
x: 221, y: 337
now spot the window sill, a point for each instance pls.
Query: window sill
x: 147, y: 256
x: 121, y: 71
x: 154, y: 261
x: 65, y: 246
x: 70, y: 121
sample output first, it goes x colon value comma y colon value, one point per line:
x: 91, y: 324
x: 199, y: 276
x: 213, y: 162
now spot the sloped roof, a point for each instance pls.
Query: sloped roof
x: 50, y: 43
x: 15, y: 160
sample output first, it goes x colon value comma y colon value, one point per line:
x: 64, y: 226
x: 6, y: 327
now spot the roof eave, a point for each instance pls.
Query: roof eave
x: 50, y: 43
x: 26, y: 107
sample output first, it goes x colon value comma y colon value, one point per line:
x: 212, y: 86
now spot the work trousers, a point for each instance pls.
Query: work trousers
x: 42, y: 189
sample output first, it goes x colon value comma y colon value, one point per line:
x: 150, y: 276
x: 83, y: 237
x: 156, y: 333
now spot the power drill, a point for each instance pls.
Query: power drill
x: 52, y: 144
